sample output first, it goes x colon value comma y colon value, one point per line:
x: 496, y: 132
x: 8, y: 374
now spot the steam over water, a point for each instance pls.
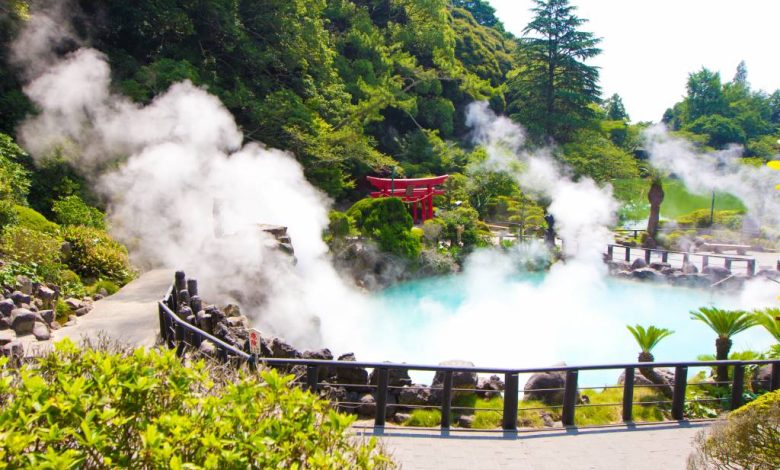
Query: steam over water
x: 161, y: 167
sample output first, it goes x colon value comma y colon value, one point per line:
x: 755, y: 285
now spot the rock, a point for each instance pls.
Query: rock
x: 55, y: 325
x: 489, y: 388
x: 547, y: 420
x: 20, y: 298
x: 667, y: 375
x: 463, y: 379
x: 72, y: 318
x: 204, y: 321
x: 102, y: 292
x: 48, y: 296
x: 24, y: 285
x: 367, y: 407
x: 415, y: 395
x: 546, y: 387
x: 99, y: 296
x: 320, y: 355
x: 401, y: 418
x: 618, y: 265
x: 5, y: 323
x: 647, y: 274
x: 41, y: 331
x: 716, y: 273
x: 6, y: 337
x: 73, y: 304
x: 660, y: 266
x: 208, y: 348
x: 350, y: 375
x: 396, y: 378
x: 47, y: 316
x: 80, y: 312
x: 690, y: 268
x: 280, y: 349
x: 6, y: 307
x: 13, y: 349
x: 638, y: 263
x: 762, y: 378
x: 232, y: 310
x: 22, y: 321
x: 466, y: 421
x: 237, y: 322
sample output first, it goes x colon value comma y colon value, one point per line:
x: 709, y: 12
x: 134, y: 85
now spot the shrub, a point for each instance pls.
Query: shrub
x: 146, y: 409
x: 108, y: 286
x: 750, y: 438
x: 38, y: 250
x: 387, y: 221
x: 71, y: 210
x: 14, y: 179
x: 7, y: 214
x: 30, y: 218
x: 95, y: 255
x: 340, y: 225
x: 701, y: 218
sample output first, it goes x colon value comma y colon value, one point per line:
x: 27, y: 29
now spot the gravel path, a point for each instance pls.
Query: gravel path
x: 658, y: 446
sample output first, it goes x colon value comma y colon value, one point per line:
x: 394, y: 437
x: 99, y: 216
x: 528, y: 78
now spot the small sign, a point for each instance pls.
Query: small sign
x: 254, y: 341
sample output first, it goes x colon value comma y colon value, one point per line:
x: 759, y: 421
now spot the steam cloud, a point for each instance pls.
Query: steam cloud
x: 716, y: 171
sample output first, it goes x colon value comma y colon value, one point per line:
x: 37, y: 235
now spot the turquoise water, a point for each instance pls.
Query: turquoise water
x: 495, y: 318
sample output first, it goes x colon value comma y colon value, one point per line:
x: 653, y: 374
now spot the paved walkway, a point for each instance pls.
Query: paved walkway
x: 657, y: 446
x: 130, y: 316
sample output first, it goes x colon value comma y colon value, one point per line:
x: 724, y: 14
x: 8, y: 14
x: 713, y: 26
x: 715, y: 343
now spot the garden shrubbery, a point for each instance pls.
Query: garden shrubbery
x: 387, y: 221
x: 83, y: 408
x: 701, y: 219
x: 749, y: 439
x: 71, y: 210
x: 94, y: 254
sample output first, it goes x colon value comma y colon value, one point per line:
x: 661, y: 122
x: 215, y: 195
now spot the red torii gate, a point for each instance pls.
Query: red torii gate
x: 414, y: 191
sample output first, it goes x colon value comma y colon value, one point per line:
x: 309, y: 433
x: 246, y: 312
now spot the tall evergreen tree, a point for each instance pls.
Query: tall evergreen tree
x: 614, y: 108
x: 552, y: 90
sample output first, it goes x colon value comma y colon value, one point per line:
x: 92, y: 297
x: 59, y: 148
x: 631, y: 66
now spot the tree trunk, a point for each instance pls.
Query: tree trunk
x: 650, y: 374
x: 722, y: 348
x: 655, y: 196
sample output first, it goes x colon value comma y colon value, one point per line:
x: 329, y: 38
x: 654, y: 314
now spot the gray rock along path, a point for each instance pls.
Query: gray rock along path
x: 657, y: 446
x: 130, y: 316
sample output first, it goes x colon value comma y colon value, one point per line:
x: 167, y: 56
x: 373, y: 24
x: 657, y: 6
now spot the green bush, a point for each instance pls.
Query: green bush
x: 38, y: 250
x: 750, y: 438
x: 71, y: 210
x: 701, y: 218
x: 30, y: 218
x: 14, y: 179
x: 387, y: 221
x: 340, y: 225
x: 75, y: 408
x: 110, y: 287
x: 7, y: 214
x: 95, y: 255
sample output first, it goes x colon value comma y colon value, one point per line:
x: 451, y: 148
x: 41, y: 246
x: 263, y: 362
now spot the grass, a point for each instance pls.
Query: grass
x: 599, y: 415
x: 677, y: 199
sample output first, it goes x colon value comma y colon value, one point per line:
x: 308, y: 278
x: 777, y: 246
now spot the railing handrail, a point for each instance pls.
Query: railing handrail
x: 689, y: 253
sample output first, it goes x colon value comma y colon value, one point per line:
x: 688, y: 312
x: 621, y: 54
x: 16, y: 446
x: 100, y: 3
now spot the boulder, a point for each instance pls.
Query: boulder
x: 415, y: 395
x: 638, y: 263
x: 466, y: 421
x: 48, y: 296
x: 350, y: 375
x: 5, y: 323
x: 6, y: 337
x: 465, y: 379
x: 208, y: 348
x: 716, y: 273
x: 367, y: 406
x: 762, y: 378
x: 47, y: 316
x: 73, y: 304
x: 20, y: 298
x: 22, y: 321
x: 647, y: 274
x: 667, y: 375
x: 237, y: 322
x: 6, y: 307
x: 690, y: 268
x: 280, y: 349
x: 13, y: 349
x: 396, y: 378
x: 80, y: 312
x: 546, y: 387
x: 41, y: 331
x: 489, y: 388
x: 24, y: 285
x: 401, y: 418
x: 204, y: 321
x: 615, y: 266
x: 658, y: 266
x: 232, y: 310
x: 320, y: 355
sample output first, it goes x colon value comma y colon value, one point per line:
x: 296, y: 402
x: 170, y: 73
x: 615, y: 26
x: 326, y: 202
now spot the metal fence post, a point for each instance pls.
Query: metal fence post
x: 312, y: 375
x: 774, y: 382
x: 628, y: 395
x: 610, y: 251
x: 727, y: 263
x: 569, y: 398
x: 446, y: 400
x: 381, y: 396
x: 648, y: 254
x: 509, y: 422
x: 179, y: 339
x: 737, y: 386
x: 665, y: 257
x: 678, y: 395
x: 628, y: 254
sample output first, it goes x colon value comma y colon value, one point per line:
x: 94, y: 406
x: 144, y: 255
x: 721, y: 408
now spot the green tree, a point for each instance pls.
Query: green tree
x: 769, y: 318
x: 705, y: 95
x: 387, y: 221
x: 482, y: 12
x: 552, y: 90
x: 725, y: 323
x: 647, y: 339
x: 614, y: 109
x: 655, y: 196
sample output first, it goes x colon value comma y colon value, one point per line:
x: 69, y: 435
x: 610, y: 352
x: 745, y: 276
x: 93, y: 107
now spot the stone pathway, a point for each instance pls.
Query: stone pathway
x: 656, y: 446
x: 129, y: 316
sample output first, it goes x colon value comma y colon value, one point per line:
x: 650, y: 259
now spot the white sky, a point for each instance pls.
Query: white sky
x: 650, y: 46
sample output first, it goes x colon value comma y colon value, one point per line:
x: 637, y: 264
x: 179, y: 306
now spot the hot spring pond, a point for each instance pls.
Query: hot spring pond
x: 494, y: 319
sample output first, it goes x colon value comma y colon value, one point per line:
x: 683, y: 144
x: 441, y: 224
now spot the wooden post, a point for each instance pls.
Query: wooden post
x: 569, y: 398
x: 751, y: 267
x: 446, y: 400
x: 774, y: 382
x: 628, y: 395
x: 179, y: 340
x: 678, y: 394
x: 180, y: 282
x: 648, y: 254
x: 665, y: 257
x: 705, y: 261
x: 610, y: 252
x: 737, y: 386
x: 628, y: 254
x: 727, y: 263
x: 381, y: 396
x: 509, y: 423
x: 192, y: 287
x: 196, y: 304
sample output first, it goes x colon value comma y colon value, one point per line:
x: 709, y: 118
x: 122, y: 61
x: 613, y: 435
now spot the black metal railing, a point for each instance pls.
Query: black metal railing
x: 179, y: 334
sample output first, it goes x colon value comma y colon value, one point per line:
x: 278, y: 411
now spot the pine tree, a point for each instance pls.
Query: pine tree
x: 552, y: 91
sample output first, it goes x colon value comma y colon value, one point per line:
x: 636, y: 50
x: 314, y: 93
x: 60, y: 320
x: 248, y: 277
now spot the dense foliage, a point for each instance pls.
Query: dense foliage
x: 83, y: 408
x: 386, y: 221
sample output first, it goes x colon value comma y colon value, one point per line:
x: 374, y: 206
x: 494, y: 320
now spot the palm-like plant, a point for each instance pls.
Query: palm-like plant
x: 725, y: 323
x: 769, y: 318
x: 647, y: 339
